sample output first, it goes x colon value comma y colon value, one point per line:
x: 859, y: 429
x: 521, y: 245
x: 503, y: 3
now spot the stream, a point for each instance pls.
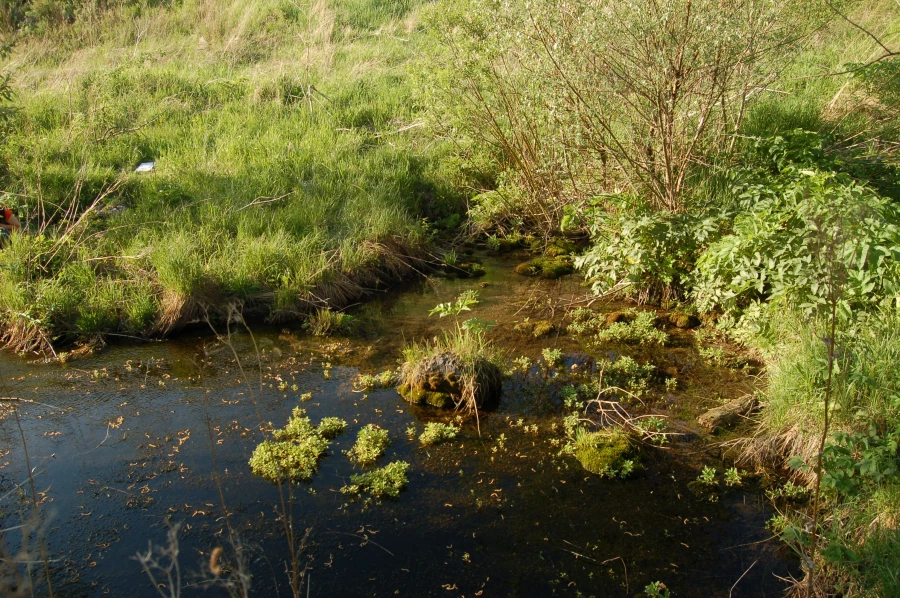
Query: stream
x: 139, y: 439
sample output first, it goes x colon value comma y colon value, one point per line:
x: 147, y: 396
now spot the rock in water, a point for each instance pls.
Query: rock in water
x: 727, y: 415
x: 445, y: 379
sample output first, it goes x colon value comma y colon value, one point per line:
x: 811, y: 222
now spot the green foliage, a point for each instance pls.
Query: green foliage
x: 802, y: 221
x: 436, y: 433
x: 643, y: 253
x: 652, y: 429
x: 264, y: 191
x: 326, y: 321
x: 331, y: 427
x: 464, y: 302
x: 733, y: 477
x: 387, y: 481
x: 552, y: 357
x: 656, y: 589
x: 371, y: 443
x: 707, y: 476
x: 641, y: 330
x: 295, y: 450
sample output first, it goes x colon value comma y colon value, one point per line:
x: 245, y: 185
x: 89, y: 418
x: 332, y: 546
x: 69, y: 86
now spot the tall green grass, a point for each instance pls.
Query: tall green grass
x: 287, y: 148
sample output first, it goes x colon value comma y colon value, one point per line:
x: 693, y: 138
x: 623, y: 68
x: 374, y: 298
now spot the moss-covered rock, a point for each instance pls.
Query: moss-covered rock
x: 535, y: 328
x: 546, y: 267
x: 605, y: 452
x: 684, y: 321
x: 440, y: 380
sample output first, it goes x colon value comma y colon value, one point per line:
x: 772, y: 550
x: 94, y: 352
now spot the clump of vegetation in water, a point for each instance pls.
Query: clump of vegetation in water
x: 327, y: 321
x: 459, y: 368
x: 371, y: 442
x: 630, y: 327
x: 331, y: 427
x: 295, y: 450
x: 546, y: 267
x: 436, y: 432
x: 368, y: 382
x: 387, y: 481
x: 605, y: 452
x: 639, y: 331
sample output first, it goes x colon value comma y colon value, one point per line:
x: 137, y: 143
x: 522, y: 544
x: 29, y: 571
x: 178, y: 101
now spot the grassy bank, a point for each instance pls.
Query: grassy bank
x: 291, y: 170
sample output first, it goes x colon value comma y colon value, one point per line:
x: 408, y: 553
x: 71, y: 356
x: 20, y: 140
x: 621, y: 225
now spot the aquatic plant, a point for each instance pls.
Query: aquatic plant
x: 294, y: 451
x: 327, y: 321
x: 656, y: 589
x: 708, y: 476
x: 387, y: 481
x: 368, y: 382
x: 641, y: 331
x: 552, y: 357
x: 733, y: 477
x: 371, y: 443
x: 436, y: 432
x: 331, y: 427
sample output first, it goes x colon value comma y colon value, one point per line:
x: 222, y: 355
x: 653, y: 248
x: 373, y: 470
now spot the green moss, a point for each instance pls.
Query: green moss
x: 371, y: 442
x: 682, y: 320
x: 604, y: 452
x: 436, y: 433
x: 542, y: 328
x: 420, y: 396
x: 388, y: 481
x: 546, y: 267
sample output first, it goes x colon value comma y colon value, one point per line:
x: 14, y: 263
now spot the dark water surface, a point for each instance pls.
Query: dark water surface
x: 122, y: 445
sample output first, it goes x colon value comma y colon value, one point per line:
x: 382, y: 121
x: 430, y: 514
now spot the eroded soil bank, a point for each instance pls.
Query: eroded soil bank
x: 123, y: 445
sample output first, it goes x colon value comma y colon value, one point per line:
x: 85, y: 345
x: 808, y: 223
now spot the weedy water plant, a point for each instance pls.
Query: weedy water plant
x: 294, y: 451
x: 387, y: 481
x: 733, y: 477
x: 368, y: 382
x: 371, y: 443
x: 437, y: 432
x: 552, y: 357
x: 641, y: 330
x: 707, y: 476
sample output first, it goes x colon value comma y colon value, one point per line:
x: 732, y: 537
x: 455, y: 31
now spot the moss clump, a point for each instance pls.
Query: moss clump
x: 560, y: 247
x: 371, y: 442
x: 436, y: 433
x: 385, y: 481
x: 295, y: 450
x: 682, y: 320
x: 537, y: 328
x: 604, y: 452
x: 546, y: 267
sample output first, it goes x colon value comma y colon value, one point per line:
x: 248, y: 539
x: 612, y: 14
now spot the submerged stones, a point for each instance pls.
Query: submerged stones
x: 546, y: 267
x: 727, y: 415
x: 446, y: 380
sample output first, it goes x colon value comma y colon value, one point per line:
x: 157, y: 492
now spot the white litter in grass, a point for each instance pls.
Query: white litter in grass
x: 145, y: 167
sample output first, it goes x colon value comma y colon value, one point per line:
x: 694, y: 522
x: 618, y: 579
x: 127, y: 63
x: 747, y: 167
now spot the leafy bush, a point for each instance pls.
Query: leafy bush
x: 801, y: 224
x: 641, y: 330
x: 643, y: 253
